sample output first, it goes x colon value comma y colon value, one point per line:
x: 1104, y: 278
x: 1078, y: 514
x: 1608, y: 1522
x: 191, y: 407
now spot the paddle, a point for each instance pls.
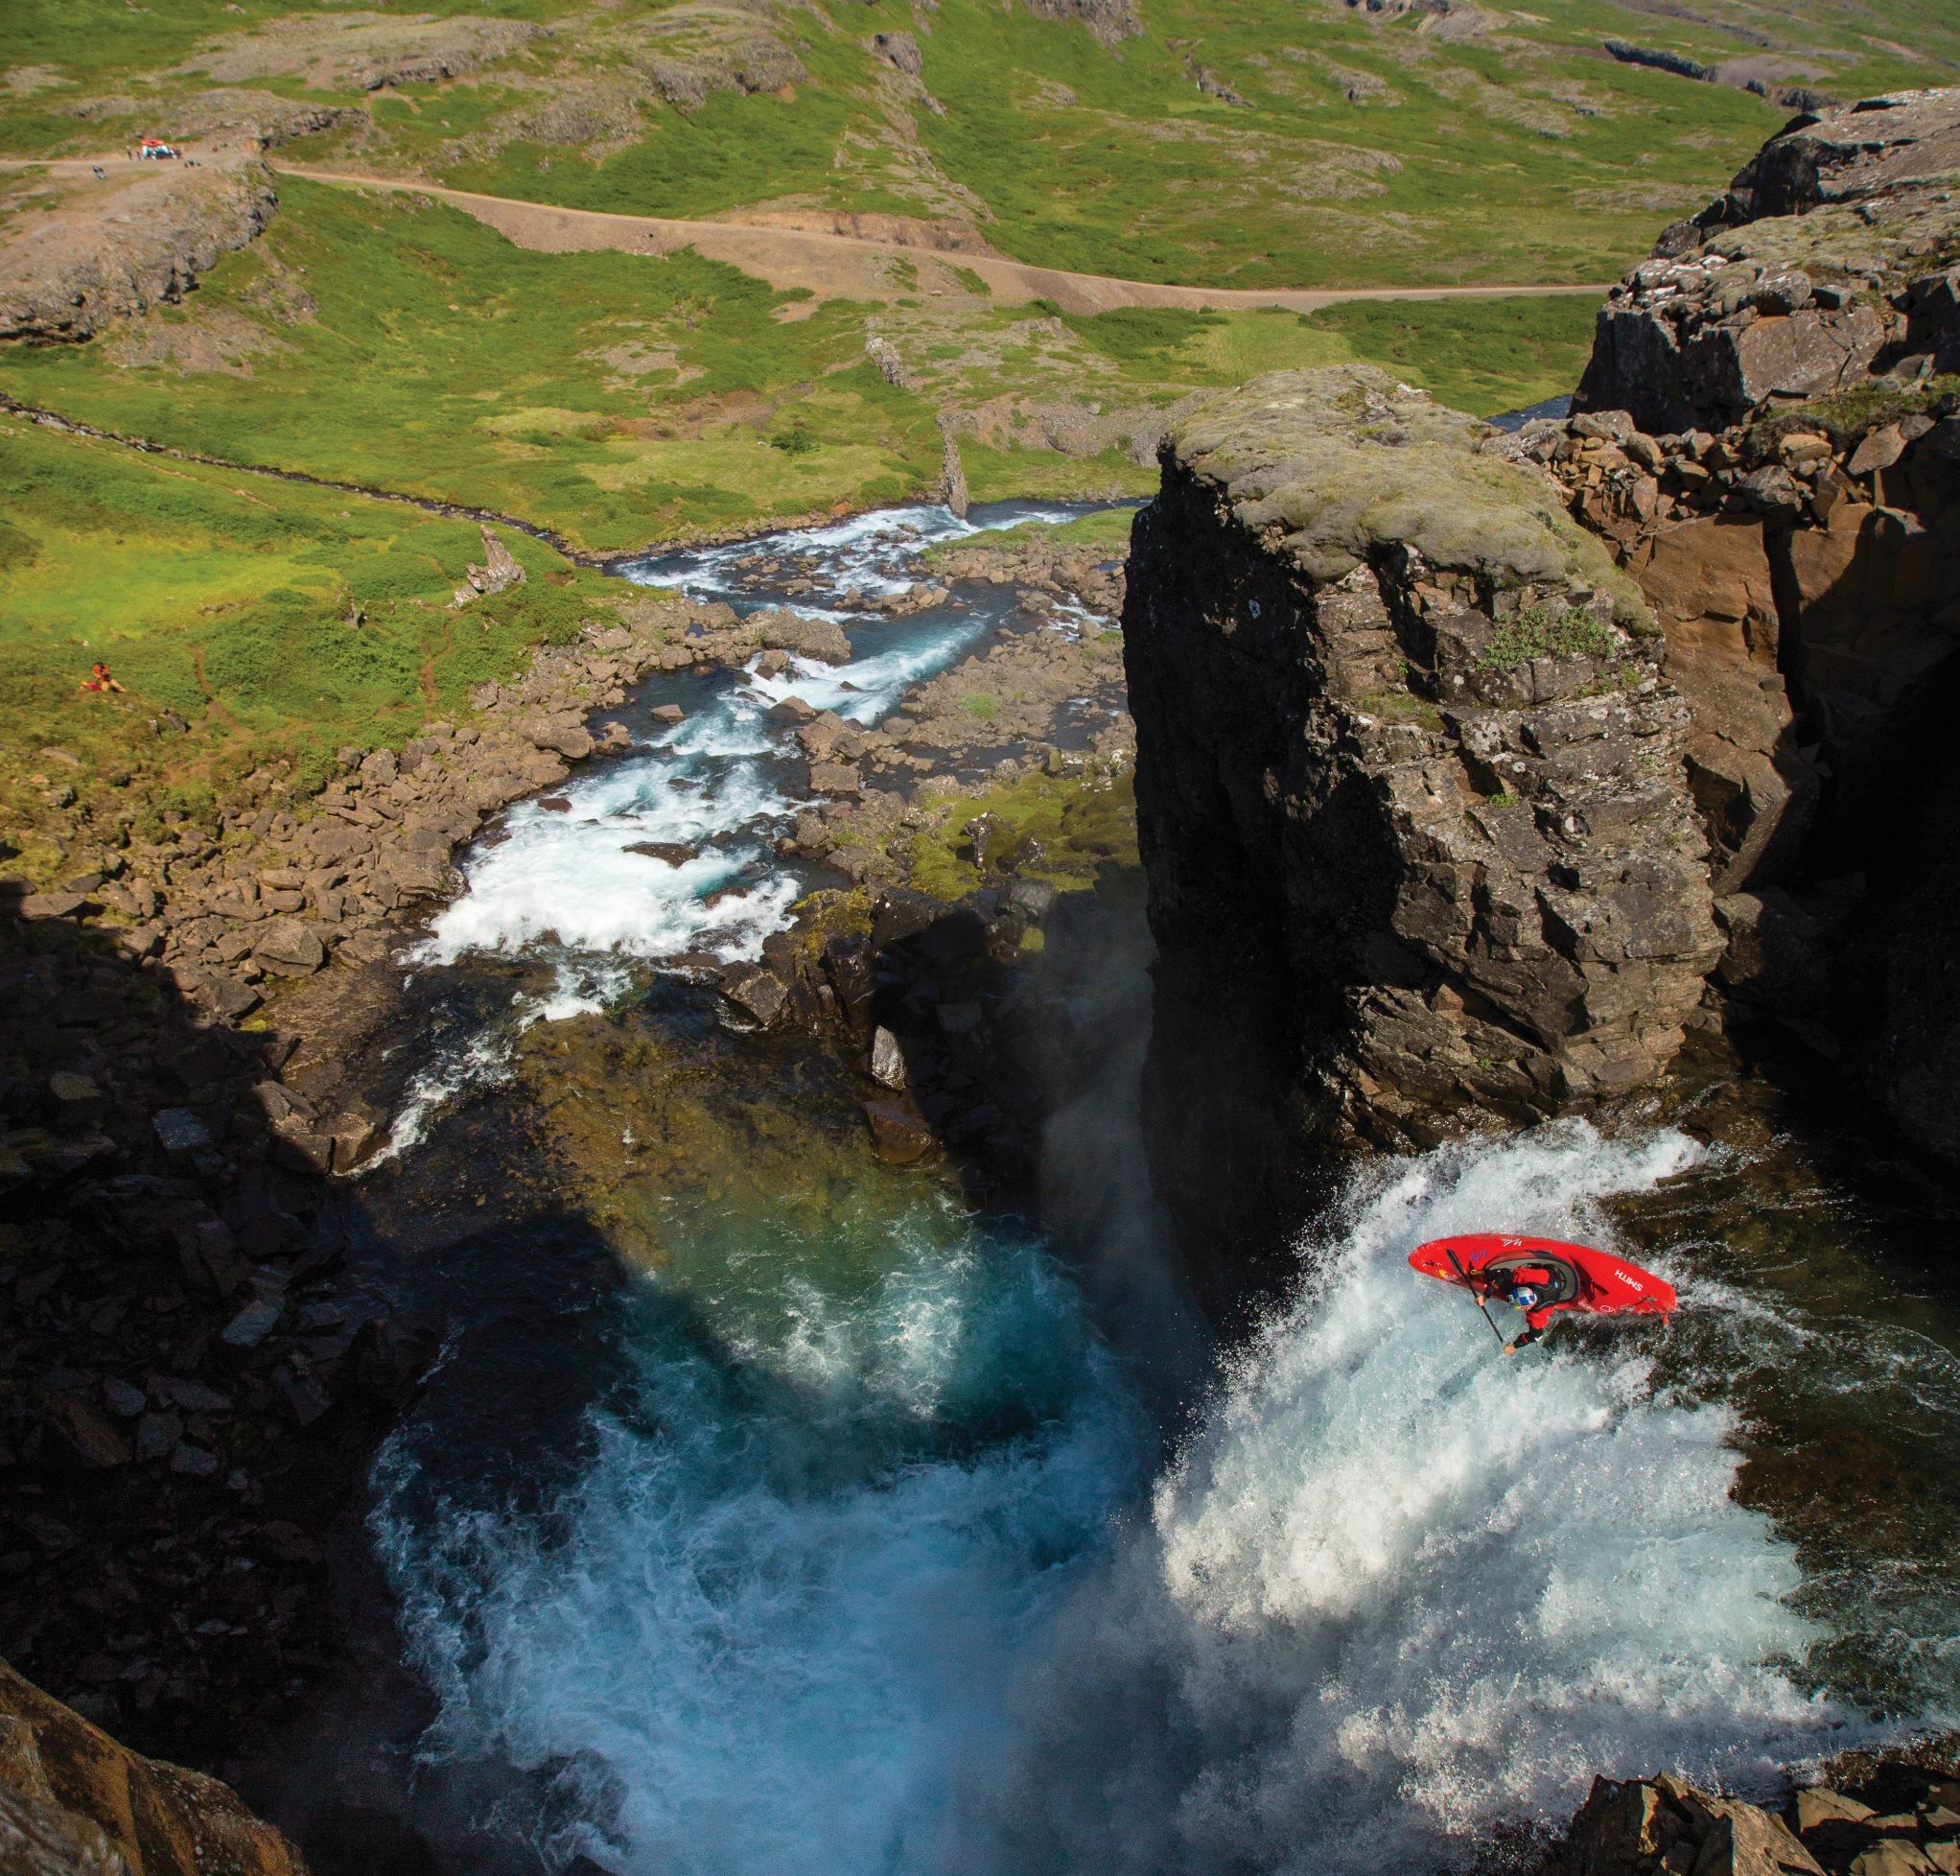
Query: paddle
x: 1475, y: 1297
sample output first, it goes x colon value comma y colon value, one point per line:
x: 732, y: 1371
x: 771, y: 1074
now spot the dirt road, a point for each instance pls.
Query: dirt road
x: 853, y: 267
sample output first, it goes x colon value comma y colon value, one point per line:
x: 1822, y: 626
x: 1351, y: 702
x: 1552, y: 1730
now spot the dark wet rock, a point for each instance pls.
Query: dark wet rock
x: 902, y: 913
x: 756, y: 992
x: 901, y: 1136
x: 848, y: 964
x: 252, y: 1323
x: 179, y: 1131
x: 91, y: 1437
x: 669, y: 852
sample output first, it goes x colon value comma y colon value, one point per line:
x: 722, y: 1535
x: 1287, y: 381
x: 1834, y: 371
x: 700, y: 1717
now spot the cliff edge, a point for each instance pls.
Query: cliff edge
x: 1410, y: 786
x: 1473, y: 768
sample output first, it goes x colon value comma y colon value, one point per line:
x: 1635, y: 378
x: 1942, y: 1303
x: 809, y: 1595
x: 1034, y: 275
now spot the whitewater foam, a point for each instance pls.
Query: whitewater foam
x: 880, y: 1585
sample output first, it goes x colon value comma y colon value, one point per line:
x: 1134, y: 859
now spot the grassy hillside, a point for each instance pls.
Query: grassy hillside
x: 1299, y: 142
x: 619, y: 399
x: 225, y: 603
x: 624, y: 399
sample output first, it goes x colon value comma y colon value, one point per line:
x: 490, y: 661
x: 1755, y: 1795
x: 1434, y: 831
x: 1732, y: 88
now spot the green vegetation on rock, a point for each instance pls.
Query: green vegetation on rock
x: 1061, y: 828
x: 1546, y: 631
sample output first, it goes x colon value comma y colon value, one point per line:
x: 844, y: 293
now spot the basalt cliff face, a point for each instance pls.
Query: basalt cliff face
x: 1473, y: 769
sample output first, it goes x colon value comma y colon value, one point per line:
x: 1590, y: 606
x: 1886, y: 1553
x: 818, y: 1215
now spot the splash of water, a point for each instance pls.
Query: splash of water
x: 876, y: 1581
x: 1397, y: 1589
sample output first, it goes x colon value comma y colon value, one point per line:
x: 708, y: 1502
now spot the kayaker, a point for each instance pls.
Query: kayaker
x: 1525, y: 1289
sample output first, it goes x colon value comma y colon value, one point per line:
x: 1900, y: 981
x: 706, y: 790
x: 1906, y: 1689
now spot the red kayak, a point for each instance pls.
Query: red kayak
x: 1567, y: 1277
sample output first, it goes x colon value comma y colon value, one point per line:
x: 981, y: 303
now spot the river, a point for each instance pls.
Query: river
x: 772, y: 1511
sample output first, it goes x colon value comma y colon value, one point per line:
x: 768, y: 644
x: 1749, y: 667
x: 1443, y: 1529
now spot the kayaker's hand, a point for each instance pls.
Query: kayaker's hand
x: 1510, y: 1347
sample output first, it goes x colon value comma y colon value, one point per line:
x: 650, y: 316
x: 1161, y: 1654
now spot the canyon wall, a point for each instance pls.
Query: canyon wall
x: 75, y: 1803
x: 1475, y: 769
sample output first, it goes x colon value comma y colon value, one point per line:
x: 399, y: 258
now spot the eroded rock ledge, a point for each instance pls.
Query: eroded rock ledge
x: 1474, y: 770
x: 1410, y: 783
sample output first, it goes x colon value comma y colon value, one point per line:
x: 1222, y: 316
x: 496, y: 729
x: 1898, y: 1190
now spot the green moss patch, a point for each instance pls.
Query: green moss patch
x: 1064, y: 829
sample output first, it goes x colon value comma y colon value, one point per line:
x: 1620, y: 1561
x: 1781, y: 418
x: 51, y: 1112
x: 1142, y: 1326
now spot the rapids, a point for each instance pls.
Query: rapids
x: 893, y: 1536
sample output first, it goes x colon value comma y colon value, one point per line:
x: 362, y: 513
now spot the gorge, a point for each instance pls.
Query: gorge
x: 842, y: 1318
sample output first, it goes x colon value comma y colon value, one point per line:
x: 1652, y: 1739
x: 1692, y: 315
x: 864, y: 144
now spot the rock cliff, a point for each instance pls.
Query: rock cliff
x: 1473, y: 769
x: 1410, y: 784
x: 75, y: 1803
x: 1796, y: 528
x: 1829, y: 258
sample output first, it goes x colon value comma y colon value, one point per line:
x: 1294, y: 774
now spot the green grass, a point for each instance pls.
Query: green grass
x: 1107, y: 527
x: 225, y: 600
x: 445, y: 361
x: 1374, y: 154
x: 1478, y: 355
x: 1547, y: 632
x: 999, y: 475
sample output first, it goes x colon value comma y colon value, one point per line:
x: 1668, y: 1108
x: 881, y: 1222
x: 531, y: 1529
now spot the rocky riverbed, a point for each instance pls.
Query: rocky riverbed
x: 195, y: 1384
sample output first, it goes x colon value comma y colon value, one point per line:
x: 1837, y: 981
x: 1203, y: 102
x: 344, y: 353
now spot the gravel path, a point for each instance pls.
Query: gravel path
x: 851, y: 266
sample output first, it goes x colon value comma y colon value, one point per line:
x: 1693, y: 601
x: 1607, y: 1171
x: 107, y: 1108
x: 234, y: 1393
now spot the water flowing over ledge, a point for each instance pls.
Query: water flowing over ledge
x: 872, y: 1575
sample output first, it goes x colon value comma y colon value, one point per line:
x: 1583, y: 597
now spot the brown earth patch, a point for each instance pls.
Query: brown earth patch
x: 360, y: 51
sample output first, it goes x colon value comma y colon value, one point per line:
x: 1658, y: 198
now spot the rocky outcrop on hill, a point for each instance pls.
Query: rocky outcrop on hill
x: 1409, y: 781
x: 75, y: 1803
x: 1450, y: 807
x: 1796, y: 533
x: 1832, y: 257
x: 360, y: 51
x: 1109, y: 21
x: 79, y: 251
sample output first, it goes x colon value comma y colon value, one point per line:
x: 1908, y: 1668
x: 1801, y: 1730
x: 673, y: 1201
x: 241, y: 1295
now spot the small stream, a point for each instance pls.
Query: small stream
x: 773, y: 1511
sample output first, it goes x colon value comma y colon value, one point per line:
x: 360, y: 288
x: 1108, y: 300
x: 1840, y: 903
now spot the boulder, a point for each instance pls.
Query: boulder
x: 887, y: 1059
x: 179, y: 1131
x: 288, y: 948
x: 778, y: 629
x: 498, y: 574
x: 1662, y: 1827
x: 899, y: 1134
x: 836, y: 779
x: 754, y: 992
x: 564, y: 736
x: 91, y: 1436
x: 75, y: 1803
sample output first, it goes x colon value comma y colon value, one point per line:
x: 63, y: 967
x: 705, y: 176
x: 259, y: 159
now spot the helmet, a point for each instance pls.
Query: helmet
x: 1525, y: 1296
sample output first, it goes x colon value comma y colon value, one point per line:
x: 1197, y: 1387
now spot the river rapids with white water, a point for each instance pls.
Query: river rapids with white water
x: 891, y: 1537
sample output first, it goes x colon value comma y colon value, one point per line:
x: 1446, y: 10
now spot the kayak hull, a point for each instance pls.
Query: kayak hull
x: 1579, y: 1276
